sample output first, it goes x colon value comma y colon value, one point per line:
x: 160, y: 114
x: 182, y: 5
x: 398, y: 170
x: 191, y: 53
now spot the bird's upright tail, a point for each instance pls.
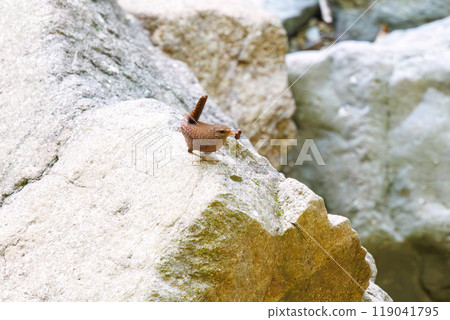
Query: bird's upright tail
x: 195, y: 114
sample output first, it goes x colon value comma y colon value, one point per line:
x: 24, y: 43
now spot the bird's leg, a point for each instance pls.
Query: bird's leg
x: 202, y: 157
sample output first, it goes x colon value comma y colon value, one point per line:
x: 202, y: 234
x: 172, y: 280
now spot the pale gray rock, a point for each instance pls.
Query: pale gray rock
x: 293, y: 13
x: 403, y: 14
x: 237, y: 52
x: 54, y: 58
x: 101, y: 201
x: 395, y: 14
x: 379, y: 114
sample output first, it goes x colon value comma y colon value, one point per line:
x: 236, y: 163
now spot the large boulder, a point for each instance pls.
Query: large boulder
x: 237, y: 52
x: 379, y: 115
x: 101, y: 201
x: 362, y: 18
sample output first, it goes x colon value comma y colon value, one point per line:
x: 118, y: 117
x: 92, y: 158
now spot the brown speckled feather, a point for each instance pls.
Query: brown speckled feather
x: 199, y: 130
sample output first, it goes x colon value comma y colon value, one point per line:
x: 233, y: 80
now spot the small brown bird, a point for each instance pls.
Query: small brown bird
x: 202, y: 136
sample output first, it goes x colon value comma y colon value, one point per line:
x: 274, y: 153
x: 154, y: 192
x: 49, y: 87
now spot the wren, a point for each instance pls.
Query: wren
x: 202, y: 136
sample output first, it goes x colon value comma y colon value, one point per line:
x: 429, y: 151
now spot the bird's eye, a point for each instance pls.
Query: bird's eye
x: 222, y: 131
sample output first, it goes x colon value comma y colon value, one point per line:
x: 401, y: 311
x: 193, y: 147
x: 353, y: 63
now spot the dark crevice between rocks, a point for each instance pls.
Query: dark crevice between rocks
x: 26, y: 180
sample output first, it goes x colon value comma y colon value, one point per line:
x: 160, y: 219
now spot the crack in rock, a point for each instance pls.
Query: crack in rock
x: 24, y: 181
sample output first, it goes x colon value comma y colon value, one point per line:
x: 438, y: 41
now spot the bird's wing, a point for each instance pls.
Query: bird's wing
x: 195, y: 114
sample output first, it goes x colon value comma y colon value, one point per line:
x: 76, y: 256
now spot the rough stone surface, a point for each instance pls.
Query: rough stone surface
x: 379, y: 114
x: 374, y: 293
x: 293, y: 13
x: 395, y: 14
x: 237, y: 52
x: 101, y: 201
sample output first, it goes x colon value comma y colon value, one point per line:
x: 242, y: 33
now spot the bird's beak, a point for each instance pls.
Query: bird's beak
x: 237, y: 133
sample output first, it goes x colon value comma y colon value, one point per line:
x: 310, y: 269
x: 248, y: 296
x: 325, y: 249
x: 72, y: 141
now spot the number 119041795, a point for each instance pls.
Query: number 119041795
x: 405, y: 311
